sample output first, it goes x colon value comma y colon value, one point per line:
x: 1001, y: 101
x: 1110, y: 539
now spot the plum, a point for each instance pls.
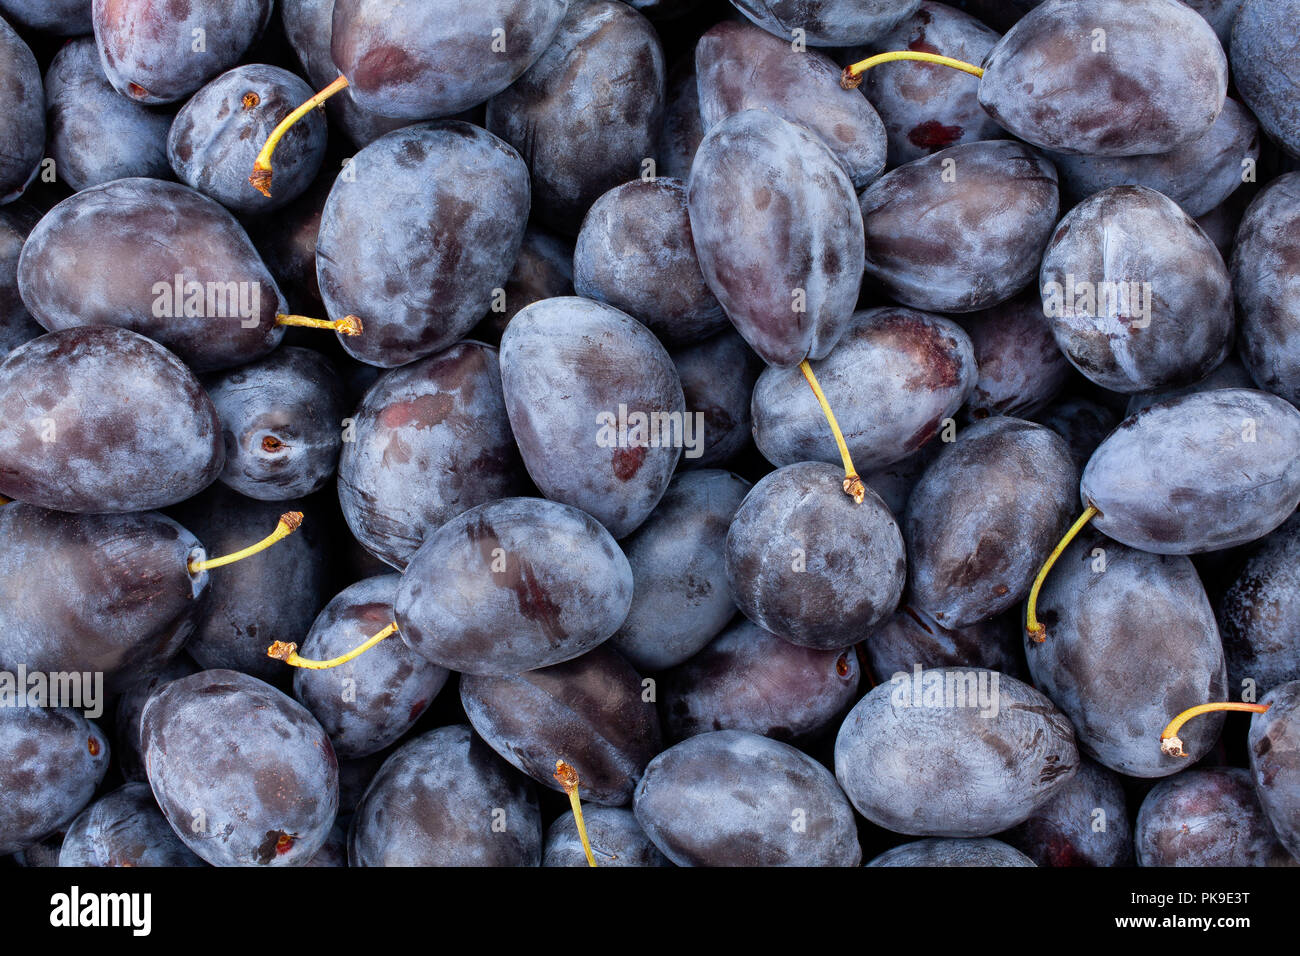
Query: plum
x: 1020, y: 368
x: 1131, y: 640
x: 160, y: 51
x: 1265, y: 272
x: 428, y: 441
x: 445, y: 799
x: 962, y: 229
x: 1202, y: 472
x: 596, y: 408
x: 218, y: 132
x: 808, y: 564
x: 740, y: 67
x: 748, y: 679
x: 615, y: 836
x: 911, y: 637
x: 130, y: 706
x: 592, y: 712
x: 23, y: 127
x: 55, y: 759
x: 939, y: 851
x: 733, y: 798
x: 102, y: 420
x: 827, y: 22
x: 243, y: 773
x: 926, y: 107
x: 680, y: 597
x: 417, y: 232
x: 1106, y: 77
x: 543, y: 270
x: 1081, y: 422
x: 60, y: 17
x: 983, y: 517
x: 1259, y: 614
x: 1198, y: 175
x: 511, y: 586
x: 157, y: 258
x: 896, y: 375
x: 1207, y: 817
x: 1085, y: 824
x: 16, y: 324
x: 635, y: 252
x: 717, y: 377
x: 124, y: 828
x: 990, y: 749
x: 372, y: 700
x: 683, y: 127
x: 778, y: 233
x: 1274, y: 743
x: 587, y: 114
x: 1265, y: 59
x: 95, y: 134
x: 418, y: 61
x: 1137, y: 295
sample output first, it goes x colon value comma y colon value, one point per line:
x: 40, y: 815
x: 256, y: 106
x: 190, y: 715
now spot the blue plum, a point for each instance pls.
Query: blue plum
x: 953, y: 851
x: 124, y: 828
x: 1274, y: 743
x: 23, y: 126
x: 717, y: 377
x: 1259, y: 613
x: 1265, y: 58
x: 827, y: 22
x: 615, y: 836
x: 1085, y: 824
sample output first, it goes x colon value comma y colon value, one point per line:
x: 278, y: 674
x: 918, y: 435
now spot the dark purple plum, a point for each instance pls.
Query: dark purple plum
x: 894, y: 483
x: 445, y: 799
x: 953, y: 851
x: 1085, y: 824
x: 1202, y: 472
x: 808, y: 564
x: 1198, y: 175
x: 911, y: 638
x: 125, y: 828
x: 962, y: 229
x: 778, y: 234
x: 95, y: 134
x: 587, y: 115
x: 419, y: 229
x: 427, y: 442
x: 102, y: 420
x: 130, y: 706
x: 635, y: 252
x: 1265, y: 61
x: 748, y: 679
x: 615, y: 836
x: 1020, y: 368
x: 926, y: 107
x: 1208, y: 816
x: 717, y: 377
x: 1259, y: 614
x: 372, y: 700
x: 108, y: 594
x: 281, y: 422
x: 1153, y: 78
x: 54, y: 761
x: 680, y: 597
x: 1265, y: 267
x: 1274, y: 743
x: 741, y: 67
x: 990, y: 750
x: 16, y: 324
x: 23, y: 126
x: 511, y: 586
x: 592, y: 712
x: 683, y: 127
x: 1136, y: 294
x: 309, y: 27
x: 596, y: 408
x: 242, y: 772
x: 427, y: 60
x: 1131, y: 641
x: 984, y: 516
x: 217, y: 134
x: 60, y: 17
x: 894, y: 378
x: 161, y: 51
x: 1081, y: 422
x: 733, y: 798
x: 157, y: 258
x: 543, y: 270
x: 827, y: 22
x: 272, y: 596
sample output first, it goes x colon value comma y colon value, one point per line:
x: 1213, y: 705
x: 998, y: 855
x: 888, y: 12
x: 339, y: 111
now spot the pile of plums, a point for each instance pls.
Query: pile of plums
x: 828, y: 431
